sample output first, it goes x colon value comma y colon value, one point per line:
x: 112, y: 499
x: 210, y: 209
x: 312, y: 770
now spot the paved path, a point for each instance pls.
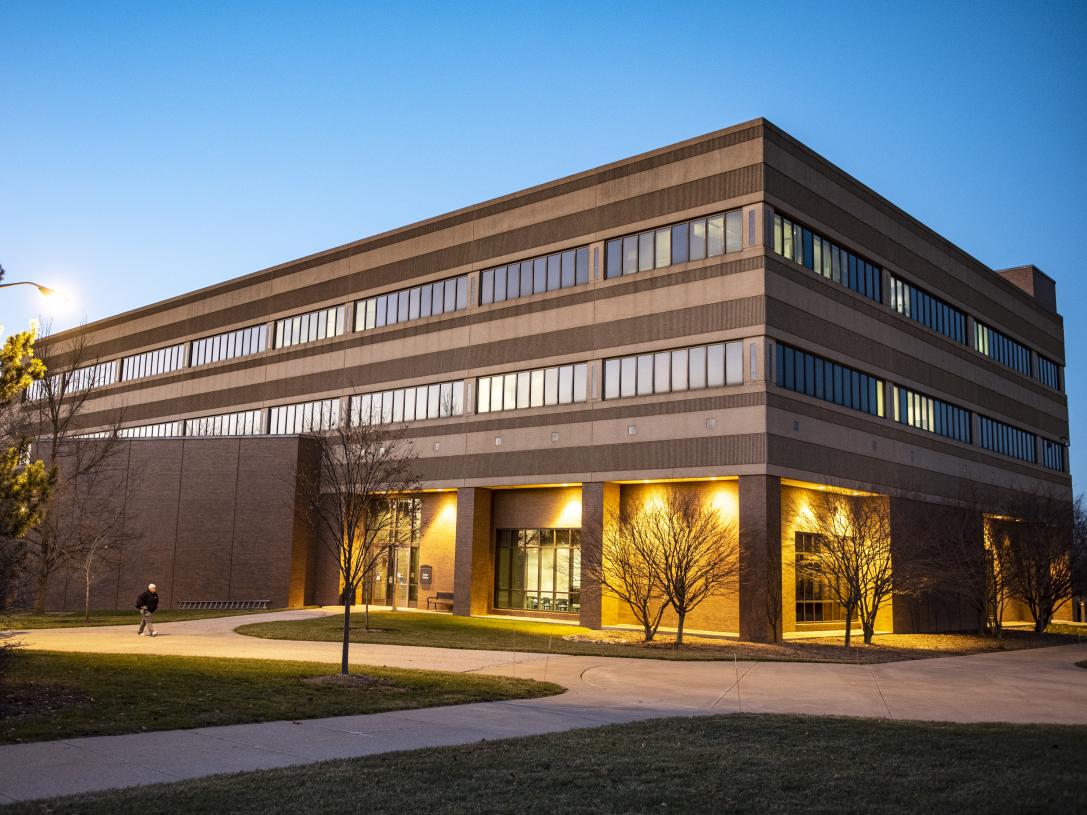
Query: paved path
x: 1041, y: 685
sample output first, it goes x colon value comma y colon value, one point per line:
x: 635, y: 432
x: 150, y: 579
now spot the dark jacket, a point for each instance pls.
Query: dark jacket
x: 150, y: 599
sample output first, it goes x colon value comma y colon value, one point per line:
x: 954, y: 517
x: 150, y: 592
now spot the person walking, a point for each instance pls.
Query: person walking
x: 147, y: 603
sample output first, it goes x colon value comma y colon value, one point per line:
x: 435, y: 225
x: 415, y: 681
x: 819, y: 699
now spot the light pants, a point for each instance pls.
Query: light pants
x: 145, y: 620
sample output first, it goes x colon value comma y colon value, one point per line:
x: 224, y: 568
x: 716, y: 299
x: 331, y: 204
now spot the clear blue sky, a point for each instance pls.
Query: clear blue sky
x: 147, y: 149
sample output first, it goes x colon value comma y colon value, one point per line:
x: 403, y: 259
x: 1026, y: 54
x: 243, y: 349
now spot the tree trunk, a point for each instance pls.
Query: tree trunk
x: 679, y: 629
x: 393, y: 578
x: 868, y: 629
x: 1041, y: 622
x: 848, y: 625
x: 347, y: 592
x: 87, y: 601
x: 42, y: 588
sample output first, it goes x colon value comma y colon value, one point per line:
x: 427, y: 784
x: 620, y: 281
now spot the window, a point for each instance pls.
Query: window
x: 924, y: 308
x: 150, y: 431
x: 683, y: 369
x: 316, y: 325
x: 815, y: 601
x: 801, y: 245
x: 428, y: 300
x: 1005, y: 439
x: 397, y: 570
x: 1002, y: 348
x: 1049, y: 373
x: 1053, y: 455
x: 934, y: 415
x: 691, y: 240
x: 153, y: 363
x: 240, y: 343
x: 80, y: 379
x: 307, y: 417
x: 821, y: 378
x: 414, y: 404
x: 240, y: 423
x: 561, y: 385
x: 538, y: 569
x: 563, y: 271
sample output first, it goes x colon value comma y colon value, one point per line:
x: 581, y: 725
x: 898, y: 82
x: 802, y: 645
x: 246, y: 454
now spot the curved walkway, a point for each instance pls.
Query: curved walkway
x: 1039, y: 686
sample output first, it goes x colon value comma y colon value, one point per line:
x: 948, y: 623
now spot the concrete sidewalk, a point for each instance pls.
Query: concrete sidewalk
x: 1041, y: 685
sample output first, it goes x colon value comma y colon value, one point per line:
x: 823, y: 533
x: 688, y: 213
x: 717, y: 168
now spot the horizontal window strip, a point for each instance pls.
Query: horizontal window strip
x: 681, y: 369
x: 539, y: 387
x: 928, y: 310
x: 826, y: 258
x: 238, y: 423
x: 559, y: 270
x: 821, y: 378
x: 153, y: 363
x: 415, y: 404
x: 316, y: 325
x: 428, y: 300
x: 1049, y: 373
x: 153, y: 431
x: 1005, y: 439
x: 934, y: 415
x: 81, y: 379
x: 679, y: 243
x: 1002, y: 348
x: 232, y: 344
x: 1053, y: 455
x: 305, y: 417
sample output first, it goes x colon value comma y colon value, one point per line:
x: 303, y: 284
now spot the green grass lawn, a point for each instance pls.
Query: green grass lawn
x: 746, y: 763
x: 516, y: 634
x: 49, y: 695
x: 74, y: 619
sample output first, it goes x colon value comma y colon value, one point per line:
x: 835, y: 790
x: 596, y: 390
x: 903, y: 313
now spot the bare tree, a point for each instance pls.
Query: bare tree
x: 958, y: 562
x: 1040, y: 557
x: 99, y: 521
x: 357, y: 472
x: 853, y: 560
x: 674, y: 550
x: 54, y: 404
x: 994, y: 571
x: 630, y: 568
x: 700, y: 550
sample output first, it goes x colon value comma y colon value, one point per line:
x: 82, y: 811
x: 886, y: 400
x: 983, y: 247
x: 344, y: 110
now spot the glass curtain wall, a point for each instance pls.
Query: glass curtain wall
x: 538, y: 569
x: 395, y: 577
x: 815, y: 601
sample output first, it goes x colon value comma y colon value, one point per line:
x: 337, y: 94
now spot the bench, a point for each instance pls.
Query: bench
x: 440, y: 598
x: 222, y: 604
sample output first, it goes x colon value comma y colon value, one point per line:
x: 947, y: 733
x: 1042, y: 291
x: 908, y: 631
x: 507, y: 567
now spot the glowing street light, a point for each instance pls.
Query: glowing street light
x: 45, y: 290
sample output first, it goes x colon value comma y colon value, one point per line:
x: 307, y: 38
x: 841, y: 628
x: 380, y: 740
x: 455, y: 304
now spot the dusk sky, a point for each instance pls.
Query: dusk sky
x: 150, y: 149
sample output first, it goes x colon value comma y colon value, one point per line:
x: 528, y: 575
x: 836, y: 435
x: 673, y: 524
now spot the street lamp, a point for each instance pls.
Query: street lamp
x: 45, y: 290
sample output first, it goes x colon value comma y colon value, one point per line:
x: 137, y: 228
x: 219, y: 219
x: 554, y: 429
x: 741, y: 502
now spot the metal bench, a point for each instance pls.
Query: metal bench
x: 222, y: 604
x: 440, y: 598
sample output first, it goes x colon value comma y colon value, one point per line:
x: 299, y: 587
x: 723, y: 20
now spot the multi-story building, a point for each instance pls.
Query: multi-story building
x: 733, y: 313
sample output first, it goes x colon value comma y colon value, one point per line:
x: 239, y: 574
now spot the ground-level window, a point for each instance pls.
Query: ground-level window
x: 538, y: 569
x: 815, y: 601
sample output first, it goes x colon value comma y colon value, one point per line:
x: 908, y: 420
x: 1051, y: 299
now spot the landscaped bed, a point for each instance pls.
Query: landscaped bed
x: 513, y: 634
x: 743, y: 763
x: 48, y: 695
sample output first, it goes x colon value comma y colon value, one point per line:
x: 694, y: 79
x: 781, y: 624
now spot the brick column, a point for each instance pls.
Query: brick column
x: 760, y: 557
x: 473, y: 571
x: 599, y: 500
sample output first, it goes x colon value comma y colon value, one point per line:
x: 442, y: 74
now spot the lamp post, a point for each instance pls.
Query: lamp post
x: 45, y: 290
